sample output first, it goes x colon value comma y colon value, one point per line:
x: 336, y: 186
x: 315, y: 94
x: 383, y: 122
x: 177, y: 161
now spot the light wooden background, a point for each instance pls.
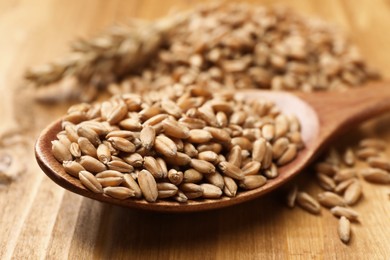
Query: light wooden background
x: 41, y: 220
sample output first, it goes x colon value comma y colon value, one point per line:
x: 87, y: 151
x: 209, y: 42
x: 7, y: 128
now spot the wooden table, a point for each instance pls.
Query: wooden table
x: 38, y: 219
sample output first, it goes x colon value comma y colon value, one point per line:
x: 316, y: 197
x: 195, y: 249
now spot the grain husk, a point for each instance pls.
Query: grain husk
x: 216, y: 179
x: 292, y: 196
x: 365, y: 153
x: 131, y: 124
x: 230, y: 187
x: 155, y: 120
x: 279, y: 147
x: 218, y: 134
x: 174, y: 129
x: 134, y: 159
x: 165, y: 146
x: 281, y: 126
x: 60, y: 151
x: 89, y: 133
x: 163, y: 167
x: 243, y: 142
x: 251, y: 182
x: 211, y: 191
x: 342, y: 186
x: 90, y: 182
x: 74, y: 150
x: 190, y: 150
x: 192, y: 176
x: 373, y: 143
x: 86, y: 147
x: 235, y: 156
x: 64, y: 140
x: 344, y: 174
x: 345, y: 212
x: 122, y: 144
x: 175, y: 177
x: 171, y: 108
x: 73, y: 168
x: 166, y: 190
x: 330, y: 199
x: 120, y: 166
x: 121, y: 133
x: 268, y: 132
x: 192, y: 123
x: 231, y: 170
x: 288, y: 155
x: 376, y: 175
x: 147, y: 136
x: 267, y: 159
x: 326, y: 182
x: 308, y: 203
x: 208, y: 156
x: 379, y: 162
x: 191, y: 190
x: 121, y: 193
x: 199, y: 136
x: 252, y: 168
x: 259, y: 149
x: 344, y: 229
x: 180, y: 197
x: 202, y: 166
x: 130, y: 183
x: 353, y: 193
x: 272, y: 172
x: 148, y: 185
x: 180, y: 159
x: 326, y: 168
x: 117, y: 113
x: 108, y: 173
x: 91, y: 164
x: 151, y: 164
x: 110, y: 181
x: 349, y: 157
x: 103, y: 153
x: 215, y: 147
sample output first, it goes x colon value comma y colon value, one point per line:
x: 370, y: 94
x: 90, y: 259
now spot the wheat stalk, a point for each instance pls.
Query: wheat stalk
x: 95, y: 63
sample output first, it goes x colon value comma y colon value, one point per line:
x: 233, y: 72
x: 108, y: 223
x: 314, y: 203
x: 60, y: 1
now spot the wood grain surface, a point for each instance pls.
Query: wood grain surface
x: 39, y: 219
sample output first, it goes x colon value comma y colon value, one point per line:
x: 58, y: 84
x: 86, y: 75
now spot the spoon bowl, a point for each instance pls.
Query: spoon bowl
x: 323, y: 116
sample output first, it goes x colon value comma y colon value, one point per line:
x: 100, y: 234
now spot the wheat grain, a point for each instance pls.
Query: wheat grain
x: 345, y: 212
x: 184, y: 146
x: 86, y: 147
x: 130, y: 183
x: 210, y: 191
x: 73, y: 168
x: 119, y: 192
x: 353, y: 193
x: 251, y: 182
x: 148, y: 185
x: 90, y: 182
x: 60, y: 151
x: 330, y: 199
x: 376, y: 175
x: 344, y: 229
x: 103, y: 153
x: 308, y: 203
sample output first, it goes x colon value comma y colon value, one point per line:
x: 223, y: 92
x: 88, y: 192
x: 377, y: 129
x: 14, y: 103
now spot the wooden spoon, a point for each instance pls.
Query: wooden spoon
x: 323, y: 116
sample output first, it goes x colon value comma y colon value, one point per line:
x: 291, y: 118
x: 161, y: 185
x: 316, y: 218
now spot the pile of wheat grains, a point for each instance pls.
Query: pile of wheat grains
x: 228, y: 46
x: 340, y: 179
x: 194, y: 144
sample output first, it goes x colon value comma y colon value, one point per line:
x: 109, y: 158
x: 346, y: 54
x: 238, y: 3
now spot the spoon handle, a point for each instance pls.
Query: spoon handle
x: 338, y: 112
